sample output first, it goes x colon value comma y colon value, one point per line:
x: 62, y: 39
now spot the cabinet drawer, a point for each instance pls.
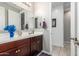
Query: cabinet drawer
x: 23, y: 50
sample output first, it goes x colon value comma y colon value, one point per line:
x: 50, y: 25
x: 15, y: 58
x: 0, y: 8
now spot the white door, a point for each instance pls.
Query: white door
x: 77, y: 28
x: 74, y: 28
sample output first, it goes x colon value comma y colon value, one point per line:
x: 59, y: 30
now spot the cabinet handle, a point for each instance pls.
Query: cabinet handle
x: 17, y: 51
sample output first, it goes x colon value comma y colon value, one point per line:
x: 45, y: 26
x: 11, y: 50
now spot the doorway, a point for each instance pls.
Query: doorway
x: 67, y: 18
x: 61, y: 33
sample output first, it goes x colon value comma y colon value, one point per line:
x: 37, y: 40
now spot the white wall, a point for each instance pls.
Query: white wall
x: 77, y: 21
x: 73, y: 18
x: 58, y: 31
x: 43, y: 9
x: 2, y: 18
x: 67, y: 26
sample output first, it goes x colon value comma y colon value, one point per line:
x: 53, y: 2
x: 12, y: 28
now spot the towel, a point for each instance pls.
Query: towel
x: 44, y: 25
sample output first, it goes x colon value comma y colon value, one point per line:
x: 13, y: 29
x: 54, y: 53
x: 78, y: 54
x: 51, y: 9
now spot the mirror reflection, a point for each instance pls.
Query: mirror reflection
x: 10, y: 14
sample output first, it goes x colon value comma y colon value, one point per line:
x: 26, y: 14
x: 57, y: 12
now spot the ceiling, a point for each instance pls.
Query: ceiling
x: 65, y: 4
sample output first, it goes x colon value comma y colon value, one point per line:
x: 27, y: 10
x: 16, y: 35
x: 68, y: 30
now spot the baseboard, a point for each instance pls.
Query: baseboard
x: 58, y: 45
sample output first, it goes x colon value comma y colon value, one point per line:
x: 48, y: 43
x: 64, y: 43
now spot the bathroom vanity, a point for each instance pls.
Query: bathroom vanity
x: 23, y: 47
x: 29, y: 42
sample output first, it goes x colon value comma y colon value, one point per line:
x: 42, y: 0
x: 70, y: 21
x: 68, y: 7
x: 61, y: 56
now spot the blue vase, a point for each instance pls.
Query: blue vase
x: 11, y: 34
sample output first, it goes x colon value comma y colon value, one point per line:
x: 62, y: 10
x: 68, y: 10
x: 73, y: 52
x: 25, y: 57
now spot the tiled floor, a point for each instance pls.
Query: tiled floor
x: 61, y: 51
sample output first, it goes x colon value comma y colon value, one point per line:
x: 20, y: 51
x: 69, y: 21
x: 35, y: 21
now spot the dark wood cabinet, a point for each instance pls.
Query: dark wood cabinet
x: 25, y: 47
x: 39, y: 43
x: 21, y: 48
x: 36, y: 45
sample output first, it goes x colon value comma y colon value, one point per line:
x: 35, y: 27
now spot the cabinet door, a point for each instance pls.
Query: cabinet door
x: 33, y: 46
x: 36, y: 45
x: 39, y: 43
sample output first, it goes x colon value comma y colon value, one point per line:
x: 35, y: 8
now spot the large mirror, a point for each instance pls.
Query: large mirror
x: 11, y: 14
x: 27, y: 20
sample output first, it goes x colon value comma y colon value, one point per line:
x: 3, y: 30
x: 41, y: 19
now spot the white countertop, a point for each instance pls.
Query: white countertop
x: 4, y: 37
